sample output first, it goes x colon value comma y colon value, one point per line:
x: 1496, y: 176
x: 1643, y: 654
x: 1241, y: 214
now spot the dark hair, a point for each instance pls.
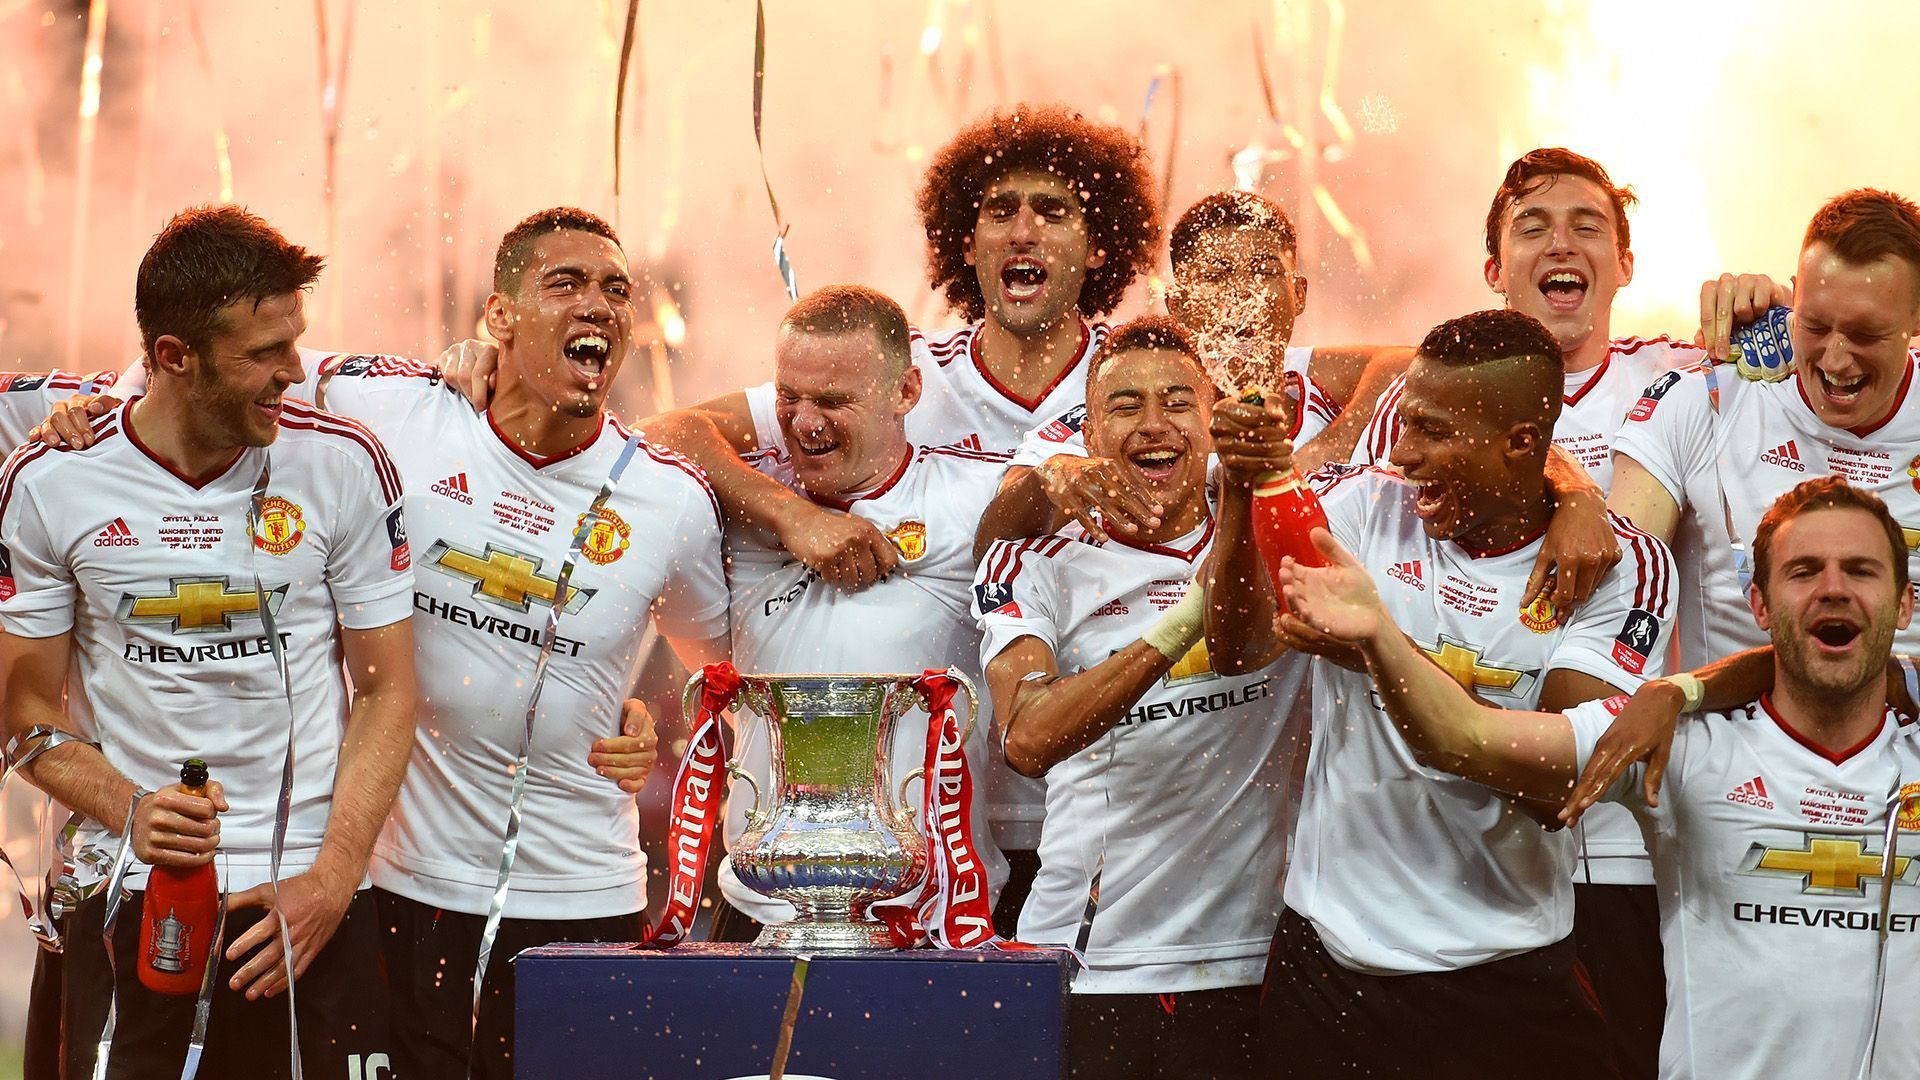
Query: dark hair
x: 1825, y: 493
x: 1146, y: 332
x: 1227, y: 210
x: 1534, y: 170
x: 1104, y: 166
x: 206, y: 258
x: 1504, y: 334
x: 1864, y: 224
x: 510, y: 259
x: 844, y: 309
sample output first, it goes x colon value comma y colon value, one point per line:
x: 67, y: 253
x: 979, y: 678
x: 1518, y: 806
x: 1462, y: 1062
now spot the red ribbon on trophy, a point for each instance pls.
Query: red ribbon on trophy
x: 696, y: 803
x: 952, y: 910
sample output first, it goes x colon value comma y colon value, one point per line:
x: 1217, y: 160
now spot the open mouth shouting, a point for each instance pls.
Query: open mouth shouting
x: 1834, y: 635
x: 1021, y: 278
x: 1842, y: 392
x: 587, y: 352
x: 1157, y: 464
x: 1564, y: 289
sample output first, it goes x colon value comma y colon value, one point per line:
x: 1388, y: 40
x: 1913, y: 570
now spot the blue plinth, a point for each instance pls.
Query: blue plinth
x: 712, y: 1012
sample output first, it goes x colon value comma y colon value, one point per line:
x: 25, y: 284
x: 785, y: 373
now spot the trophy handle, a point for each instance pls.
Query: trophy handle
x: 734, y: 770
x: 973, y: 703
x: 690, y: 707
x: 919, y: 773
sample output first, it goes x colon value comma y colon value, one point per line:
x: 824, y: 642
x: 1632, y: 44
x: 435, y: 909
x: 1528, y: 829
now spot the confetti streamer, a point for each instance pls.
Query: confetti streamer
x: 789, y: 1017
x: 222, y: 147
x: 1343, y: 138
x: 333, y: 88
x: 780, y: 260
x: 1169, y: 75
x: 93, y: 58
x: 620, y: 98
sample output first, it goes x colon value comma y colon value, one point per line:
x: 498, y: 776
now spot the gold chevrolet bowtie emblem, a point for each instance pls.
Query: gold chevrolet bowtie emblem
x: 1462, y: 661
x: 197, y: 605
x: 503, y: 577
x: 1834, y: 865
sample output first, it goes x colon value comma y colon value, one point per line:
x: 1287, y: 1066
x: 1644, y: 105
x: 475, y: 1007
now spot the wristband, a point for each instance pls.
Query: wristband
x: 1180, y: 625
x: 1692, y: 690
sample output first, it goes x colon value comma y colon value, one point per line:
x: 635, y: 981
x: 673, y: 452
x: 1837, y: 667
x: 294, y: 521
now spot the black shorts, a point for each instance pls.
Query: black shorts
x: 341, y: 998
x: 1022, y: 868
x: 1617, y: 931
x: 1520, y: 1018
x: 430, y: 954
x: 40, y: 1057
x: 1197, y: 1033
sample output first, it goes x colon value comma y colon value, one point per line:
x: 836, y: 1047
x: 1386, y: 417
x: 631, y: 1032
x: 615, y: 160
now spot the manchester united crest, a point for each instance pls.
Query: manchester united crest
x: 1910, y: 807
x: 280, y: 527
x: 911, y: 538
x: 1540, y: 616
x: 1913, y: 472
x: 608, y: 538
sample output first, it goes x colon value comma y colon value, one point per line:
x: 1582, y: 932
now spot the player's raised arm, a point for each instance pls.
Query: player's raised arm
x: 1529, y: 754
x: 1241, y: 607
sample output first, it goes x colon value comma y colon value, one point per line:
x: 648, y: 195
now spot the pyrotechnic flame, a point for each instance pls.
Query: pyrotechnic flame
x: 1613, y: 96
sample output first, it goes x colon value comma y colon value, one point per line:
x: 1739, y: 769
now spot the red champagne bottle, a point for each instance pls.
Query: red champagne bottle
x: 178, y: 916
x: 1285, y: 513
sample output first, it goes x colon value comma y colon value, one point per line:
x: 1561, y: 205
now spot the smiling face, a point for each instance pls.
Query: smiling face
x: 1462, y: 453
x: 1030, y: 251
x: 842, y: 403
x: 564, y: 329
x: 1831, y: 601
x: 235, y: 390
x: 1560, y: 259
x: 1238, y: 292
x: 1851, y: 327
x: 1148, y: 411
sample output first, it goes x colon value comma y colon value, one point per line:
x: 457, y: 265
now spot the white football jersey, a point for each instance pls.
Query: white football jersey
x: 960, y: 400
x: 1062, y: 434
x: 1595, y: 404
x: 1762, y: 441
x: 785, y: 619
x: 1403, y: 868
x: 153, y: 575
x: 1184, y: 797
x: 1767, y: 850
x: 491, y: 526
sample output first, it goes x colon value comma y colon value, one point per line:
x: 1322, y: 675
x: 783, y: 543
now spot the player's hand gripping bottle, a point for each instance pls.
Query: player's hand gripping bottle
x: 1285, y: 513
x: 179, y: 914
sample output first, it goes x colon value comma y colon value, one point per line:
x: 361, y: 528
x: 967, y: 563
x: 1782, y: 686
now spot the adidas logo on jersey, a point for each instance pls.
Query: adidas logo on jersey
x: 1752, y: 793
x: 1786, y: 456
x: 1408, y: 573
x: 455, y: 487
x: 116, y: 534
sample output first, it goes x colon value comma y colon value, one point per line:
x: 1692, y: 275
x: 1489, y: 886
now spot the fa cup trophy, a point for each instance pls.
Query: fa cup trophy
x: 831, y: 831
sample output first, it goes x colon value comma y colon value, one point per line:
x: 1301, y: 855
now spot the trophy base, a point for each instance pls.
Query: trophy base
x: 812, y: 937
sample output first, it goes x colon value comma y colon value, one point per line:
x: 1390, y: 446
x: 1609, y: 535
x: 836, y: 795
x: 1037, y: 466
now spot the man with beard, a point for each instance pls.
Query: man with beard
x: 126, y: 563
x: 1446, y: 936
x: 843, y: 375
x: 1163, y: 774
x: 1767, y: 837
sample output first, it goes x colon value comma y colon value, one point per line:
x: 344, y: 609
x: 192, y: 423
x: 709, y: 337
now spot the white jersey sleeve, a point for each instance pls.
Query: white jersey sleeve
x: 27, y: 397
x: 1384, y: 429
x: 1620, y: 634
x: 1016, y: 594
x: 1669, y: 431
x: 36, y: 584
x: 693, y: 602
x: 379, y: 391
x: 370, y: 565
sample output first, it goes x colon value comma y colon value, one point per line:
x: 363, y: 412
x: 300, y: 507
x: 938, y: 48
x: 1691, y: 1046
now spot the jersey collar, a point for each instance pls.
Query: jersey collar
x: 1186, y: 548
x: 979, y: 365
x: 1840, y: 758
x: 838, y: 503
x: 536, y: 460
x: 1593, y: 377
x: 126, y: 425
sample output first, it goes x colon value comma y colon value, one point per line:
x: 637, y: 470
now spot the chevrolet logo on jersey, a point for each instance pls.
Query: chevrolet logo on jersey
x: 503, y: 577
x: 197, y: 605
x: 1829, y: 865
x: 1462, y: 661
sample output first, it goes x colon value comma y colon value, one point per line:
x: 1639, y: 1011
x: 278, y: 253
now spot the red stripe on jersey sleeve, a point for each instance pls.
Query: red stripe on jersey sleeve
x: 299, y: 416
x: 686, y: 465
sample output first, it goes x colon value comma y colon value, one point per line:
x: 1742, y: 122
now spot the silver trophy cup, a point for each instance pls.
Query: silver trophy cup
x: 831, y: 831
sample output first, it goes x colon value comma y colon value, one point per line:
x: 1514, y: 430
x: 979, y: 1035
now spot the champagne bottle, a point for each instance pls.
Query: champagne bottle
x: 179, y: 913
x: 1285, y: 513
